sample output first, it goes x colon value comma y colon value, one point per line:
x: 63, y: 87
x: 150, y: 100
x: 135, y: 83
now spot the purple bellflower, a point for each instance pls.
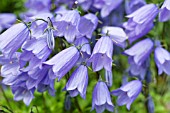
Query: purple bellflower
x: 6, y: 20
x: 133, y: 5
x: 85, y: 4
x: 101, y: 99
x: 85, y: 50
x: 102, y: 54
x: 106, y: 6
x: 162, y: 59
x: 128, y: 93
x: 63, y: 62
x: 90, y: 21
x: 164, y: 14
x: 117, y: 35
x: 78, y: 82
x: 9, y: 44
x: 67, y: 25
x: 139, y: 52
x: 38, y: 5
x: 139, y: 71
x: 35, y: 51
x: 10, y: 68
x: 22, y: 93
x: 140, y: 22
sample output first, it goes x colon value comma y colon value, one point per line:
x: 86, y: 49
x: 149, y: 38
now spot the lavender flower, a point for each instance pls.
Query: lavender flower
x: 133, y: 5
x: 117, y: 34
x: 138, y: 70
x: 140, y: 53
x: 102, y: 54
x: 35, y: 51
x: 106, y: 6
x: 10, y: 69
x: 78, y: 82
x: 85, y: 4
x: 162, y: 59
x: 21, y: 93
x: 90, y: 21
x: 101, y: 99
x: 128, y: 93
x: 164, y: 14
x: 38, y: 5
x: 63, y: 62
x: 6, y: 20
x: 67, y: 25
x: 9, y: 44
x: 84, y: 45
x: 140, y: 22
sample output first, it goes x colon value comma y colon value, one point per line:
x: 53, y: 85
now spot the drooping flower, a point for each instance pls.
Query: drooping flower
x: 9, y: 44
x: 139, y: 71
x: 22, y: 93
x: 164, y: 14
x: 84, y: 45
x: 10, y: 68
x: 90, y: 21
x: 6, y: 20
x: 106, y: 6
x: 102, y: 54
x: 38, y: 5
x: 67, y: 25
x: 140, y: 22
x: 117, y: 35
x: 128, y: 93
x: 162, y: 59
x: 133, y: 5
x: 78, y: 82
x: 101, y: 99
x: 63, y: 61
x: 139, y: 52
x: 35, y: 51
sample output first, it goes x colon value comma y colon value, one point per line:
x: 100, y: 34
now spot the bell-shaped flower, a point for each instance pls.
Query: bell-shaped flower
x: 128, y: 93
x: 10, y: 68
x: 140, y: 51
x: 101, y: 99
x: 35, y: 51
x: 164, y: 14
x: 63, y: 61
x: 78, y: 82
x: 90, y: 21
x: 6, y: 20
x: 102, y: 54
x: 117, y: 35
x: 133, y: 5
x: 140, y: 22
x: 67, y: 25
x: 21, y: 93
x: 106, y: 6
x: 139, y: 71
x: 12, y: 39
x: 162, y: 59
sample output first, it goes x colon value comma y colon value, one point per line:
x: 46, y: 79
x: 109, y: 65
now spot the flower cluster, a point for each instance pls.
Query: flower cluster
x: 52, y: 42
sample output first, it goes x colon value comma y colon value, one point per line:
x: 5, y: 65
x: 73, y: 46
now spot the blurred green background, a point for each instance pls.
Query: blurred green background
x: 44, y: 103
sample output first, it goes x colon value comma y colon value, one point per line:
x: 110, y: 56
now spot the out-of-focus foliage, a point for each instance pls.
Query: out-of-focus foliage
x: 12, y: 6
